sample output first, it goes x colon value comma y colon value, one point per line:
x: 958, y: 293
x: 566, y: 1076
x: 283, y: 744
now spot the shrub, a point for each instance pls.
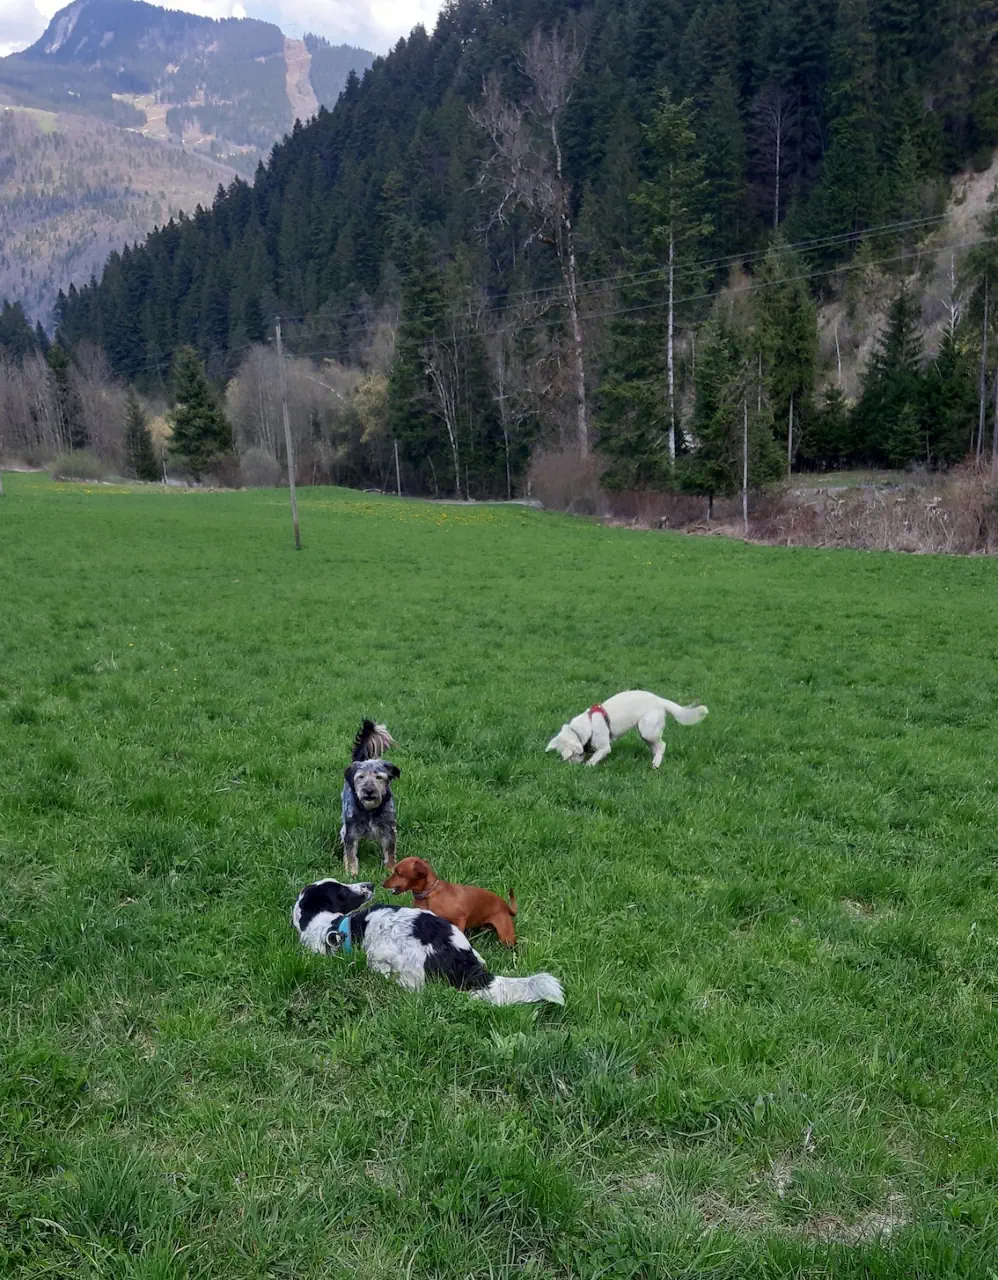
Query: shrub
x: 564, y: 481
x: 223, y: 472
x: 81, y: 464
x: 260, y: 469
x: 958, y: 517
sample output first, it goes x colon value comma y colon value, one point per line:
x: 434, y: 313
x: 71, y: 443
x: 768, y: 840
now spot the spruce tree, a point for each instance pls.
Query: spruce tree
x: 723, y: 137
x: 138, y: 442
x: 201, y: 431
x: 411, y: 420
x: 674, y: 202
x: 828, y: 442
x: 893, y: 388
x: 848, y: 196
x: 71, y: 425
x: 905, y: 442
x: 951, y: 408
x: 787, y: 320
x: 714, y: 467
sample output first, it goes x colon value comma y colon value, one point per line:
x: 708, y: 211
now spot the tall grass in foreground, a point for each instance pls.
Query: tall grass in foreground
x: 778, y: 1053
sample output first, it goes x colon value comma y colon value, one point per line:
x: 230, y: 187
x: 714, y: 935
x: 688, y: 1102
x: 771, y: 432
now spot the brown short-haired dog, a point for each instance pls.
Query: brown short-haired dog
x: 462, y: 904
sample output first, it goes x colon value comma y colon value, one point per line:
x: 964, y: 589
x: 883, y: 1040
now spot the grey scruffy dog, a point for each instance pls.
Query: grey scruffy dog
x: 368, y: 806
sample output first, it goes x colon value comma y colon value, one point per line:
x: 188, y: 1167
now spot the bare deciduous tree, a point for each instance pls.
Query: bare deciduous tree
x: 102, y: 402
x: 775, y: 113
x: 442, y: 365
x: 527, y: 170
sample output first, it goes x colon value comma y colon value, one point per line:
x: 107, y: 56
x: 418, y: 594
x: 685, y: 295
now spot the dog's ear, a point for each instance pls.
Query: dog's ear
x: 421, y: 868
x: 393, y: 770
x: 350, y: 772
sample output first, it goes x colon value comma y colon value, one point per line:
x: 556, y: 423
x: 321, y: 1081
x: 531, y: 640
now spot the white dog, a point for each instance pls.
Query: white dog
x: 595, y: 729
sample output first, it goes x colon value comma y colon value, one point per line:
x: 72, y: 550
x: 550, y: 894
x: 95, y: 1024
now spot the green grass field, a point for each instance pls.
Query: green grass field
x: 779, y: 1051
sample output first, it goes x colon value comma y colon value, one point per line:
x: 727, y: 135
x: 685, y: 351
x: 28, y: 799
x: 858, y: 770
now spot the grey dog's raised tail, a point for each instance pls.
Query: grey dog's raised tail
x: 542, y: 986
x: 371, y: 742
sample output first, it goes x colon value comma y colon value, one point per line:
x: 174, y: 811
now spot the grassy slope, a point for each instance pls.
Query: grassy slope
x: 778, y: 952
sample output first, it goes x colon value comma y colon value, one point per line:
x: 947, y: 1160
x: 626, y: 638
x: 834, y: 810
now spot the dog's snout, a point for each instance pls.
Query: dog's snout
x: 369, y: 886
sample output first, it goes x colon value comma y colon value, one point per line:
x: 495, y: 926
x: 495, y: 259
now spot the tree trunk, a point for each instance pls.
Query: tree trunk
x: 838, y: 357
x: 984, y: 372
x: 994, y: 435
x: 779, y: 157
x: 570, y: 273
x: 790, y: 438
x: 581, y: 416
x: 671, y: 353
x: 289, y: 446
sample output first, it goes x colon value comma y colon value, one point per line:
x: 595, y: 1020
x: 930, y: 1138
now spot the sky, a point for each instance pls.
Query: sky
x: 371, y: 24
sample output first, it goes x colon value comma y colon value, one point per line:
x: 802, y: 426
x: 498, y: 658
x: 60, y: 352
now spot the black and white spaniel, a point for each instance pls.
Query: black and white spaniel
x: 407, y: 944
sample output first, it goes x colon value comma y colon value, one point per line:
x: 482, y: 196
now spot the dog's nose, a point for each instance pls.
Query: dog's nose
x: 369, y: 886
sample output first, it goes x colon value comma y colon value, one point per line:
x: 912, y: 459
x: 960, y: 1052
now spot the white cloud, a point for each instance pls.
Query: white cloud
x: 373, y: 24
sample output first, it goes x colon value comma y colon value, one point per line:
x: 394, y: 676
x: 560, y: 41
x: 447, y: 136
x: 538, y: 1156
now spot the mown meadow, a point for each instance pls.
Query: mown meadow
x: 778, y: 1054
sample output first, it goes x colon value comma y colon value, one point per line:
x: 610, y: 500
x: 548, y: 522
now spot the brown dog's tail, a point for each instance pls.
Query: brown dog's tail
x: 512, y: 903
x: 371, y: 742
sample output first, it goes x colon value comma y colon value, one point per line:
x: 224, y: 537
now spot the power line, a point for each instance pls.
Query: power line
x: 753, y: 287
x: 557, y: 295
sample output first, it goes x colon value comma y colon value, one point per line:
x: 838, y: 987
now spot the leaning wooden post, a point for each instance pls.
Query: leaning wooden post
x: 745, y: 461
x: 287, y: 434
x: 398, y: 474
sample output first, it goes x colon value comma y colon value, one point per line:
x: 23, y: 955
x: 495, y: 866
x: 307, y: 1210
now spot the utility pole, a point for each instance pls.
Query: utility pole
x: 287, y: 434
x: 745, y: 461
x: 398, y: 474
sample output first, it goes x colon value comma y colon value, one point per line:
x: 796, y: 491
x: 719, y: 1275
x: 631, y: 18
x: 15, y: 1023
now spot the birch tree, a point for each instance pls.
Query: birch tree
x: 526, y: 169
x: 775, y: 116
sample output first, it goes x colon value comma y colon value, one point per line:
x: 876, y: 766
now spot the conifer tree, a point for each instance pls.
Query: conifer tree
x: 71, y: 425
x: 905, y: 442
x: 893, y: 389
x: 828, y: 442
x: 138, y: 442
x: 951, y: 409
x: 848, y: 195
x: 714, y: 467
x: 411, y: 419
x: 674, y: 203
x: 722, y: 135
x: 788, y: 336
x: 201, y: 431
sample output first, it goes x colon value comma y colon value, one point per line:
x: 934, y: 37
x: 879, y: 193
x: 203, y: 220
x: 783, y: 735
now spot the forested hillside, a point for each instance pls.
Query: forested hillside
x: 74, y: 190
x: 542, y: 203
x: 124, y: 113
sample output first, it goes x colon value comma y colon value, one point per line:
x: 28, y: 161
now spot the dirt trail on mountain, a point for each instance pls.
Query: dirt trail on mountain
x: 301, y: 95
